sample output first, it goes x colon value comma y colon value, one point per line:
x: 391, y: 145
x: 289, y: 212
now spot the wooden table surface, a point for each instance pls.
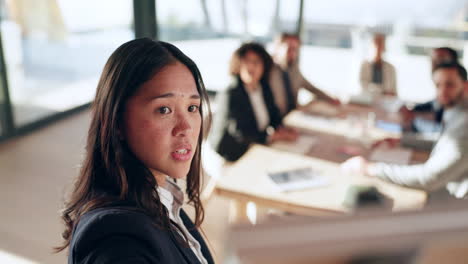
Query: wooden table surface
x: 248, y: 180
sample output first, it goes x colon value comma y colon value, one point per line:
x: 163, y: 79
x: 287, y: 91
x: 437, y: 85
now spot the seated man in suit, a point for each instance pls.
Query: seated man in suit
x: 432, y: 110
x: 447, y: 165
x: 286, y: 79
x: 247, y: 112
x: 378, y: 75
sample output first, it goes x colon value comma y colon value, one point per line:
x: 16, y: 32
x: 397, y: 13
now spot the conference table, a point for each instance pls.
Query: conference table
x: 329, y: 135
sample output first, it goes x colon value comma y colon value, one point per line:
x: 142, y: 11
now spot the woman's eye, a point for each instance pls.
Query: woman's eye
x: 164, y: 110
x: 193, y: 108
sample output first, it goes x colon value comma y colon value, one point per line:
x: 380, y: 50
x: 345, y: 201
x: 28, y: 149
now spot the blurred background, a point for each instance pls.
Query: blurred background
x: 53, y: 50
x: 52, y: 53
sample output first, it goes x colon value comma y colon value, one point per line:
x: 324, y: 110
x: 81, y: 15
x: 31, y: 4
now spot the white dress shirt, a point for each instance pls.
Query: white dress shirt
x: 172, y: 198
x: 259, y: 107
x: 447, y: 165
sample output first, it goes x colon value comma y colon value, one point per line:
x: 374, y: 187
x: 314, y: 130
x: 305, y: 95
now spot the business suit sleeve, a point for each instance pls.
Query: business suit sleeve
x: 424, y: 107
x: 447, y: 162
x: 392, y: 86
x: 364, y: 75
x: 311, y: 88
x: 120, y: 250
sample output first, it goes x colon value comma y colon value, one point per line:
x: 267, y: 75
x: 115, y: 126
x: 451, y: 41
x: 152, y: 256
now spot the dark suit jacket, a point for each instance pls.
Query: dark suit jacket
x: 431, y: 106
x: 122, y: 235
x: 235, y: 125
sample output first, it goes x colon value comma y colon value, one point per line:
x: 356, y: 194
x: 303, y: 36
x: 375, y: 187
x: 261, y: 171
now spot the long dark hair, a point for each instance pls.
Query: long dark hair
x: 257, y: 48
x: 110, y: 172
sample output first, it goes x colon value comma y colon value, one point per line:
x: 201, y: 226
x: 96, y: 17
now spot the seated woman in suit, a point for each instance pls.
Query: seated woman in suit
x: 145, y: 132
x: 247, y: 112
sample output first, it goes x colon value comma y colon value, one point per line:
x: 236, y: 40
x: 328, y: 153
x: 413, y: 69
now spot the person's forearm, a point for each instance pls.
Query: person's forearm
x: 447, y: 164
x: 316, y: 91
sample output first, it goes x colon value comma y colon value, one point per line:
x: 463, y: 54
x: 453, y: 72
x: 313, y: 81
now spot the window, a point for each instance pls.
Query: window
x: 209, y: 31
x: 55, y: 51
x: 337, y: 34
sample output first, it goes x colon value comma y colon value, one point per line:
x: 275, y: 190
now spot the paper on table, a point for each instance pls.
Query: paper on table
x: 399, y: 156
x: 300, y: 119
x: 302, y: 145
x: 298, y: 179
x: 322, y: 108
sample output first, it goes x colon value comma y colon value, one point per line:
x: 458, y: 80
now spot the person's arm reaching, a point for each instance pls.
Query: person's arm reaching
x: 317, y: 92
x: 447, y: 162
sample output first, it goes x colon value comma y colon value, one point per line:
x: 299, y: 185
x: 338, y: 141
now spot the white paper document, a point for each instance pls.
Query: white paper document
x: 298, y: 179
x: 300, y: 119
x: 322, y: 108
x: 400, y: 156
x: 302, y: 145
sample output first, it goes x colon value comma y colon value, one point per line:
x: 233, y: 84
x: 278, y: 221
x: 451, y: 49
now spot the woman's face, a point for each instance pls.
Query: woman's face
x: 251, y: 68
x: 162, y: 122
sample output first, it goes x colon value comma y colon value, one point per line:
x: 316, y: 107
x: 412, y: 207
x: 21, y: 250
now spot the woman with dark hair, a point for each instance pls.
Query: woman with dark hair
x: 247, y: 112
x: 146, y: 132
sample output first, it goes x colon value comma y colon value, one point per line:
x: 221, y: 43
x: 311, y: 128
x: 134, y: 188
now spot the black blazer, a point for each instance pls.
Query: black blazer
x: 122, y: 235
x: 235, y: 125
x: 431, y: 106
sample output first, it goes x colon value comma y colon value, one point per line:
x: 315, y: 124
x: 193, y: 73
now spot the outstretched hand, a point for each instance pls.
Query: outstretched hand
x: 334, y: 101
x: 387, y: 142
x: 285, y: 134
x: 355, y: 165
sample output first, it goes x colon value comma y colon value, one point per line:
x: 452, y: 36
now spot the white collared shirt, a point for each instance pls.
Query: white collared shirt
x: 259, y: 107
x: 447, y: 165
x: 172, y: 198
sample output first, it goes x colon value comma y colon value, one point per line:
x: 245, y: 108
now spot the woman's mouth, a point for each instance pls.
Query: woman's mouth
x: 182, y: 154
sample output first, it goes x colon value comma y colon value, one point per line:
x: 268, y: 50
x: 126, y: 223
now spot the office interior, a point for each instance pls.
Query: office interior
x: 52, y: 53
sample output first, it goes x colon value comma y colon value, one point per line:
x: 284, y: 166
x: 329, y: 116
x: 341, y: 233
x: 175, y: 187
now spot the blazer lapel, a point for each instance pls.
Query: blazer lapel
x: 196, y: 234
x: 186, y: 251
x: 247, y: 105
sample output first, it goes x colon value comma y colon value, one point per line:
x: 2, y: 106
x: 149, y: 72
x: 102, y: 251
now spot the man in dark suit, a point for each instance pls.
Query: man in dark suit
x: 432, y: 110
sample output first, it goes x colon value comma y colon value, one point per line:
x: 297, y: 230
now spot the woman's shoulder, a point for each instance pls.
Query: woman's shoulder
x: 100, y: 223
x: 116, y: 232
x: 111, y: 215
x: 234, y: 84
x: 235, y: 89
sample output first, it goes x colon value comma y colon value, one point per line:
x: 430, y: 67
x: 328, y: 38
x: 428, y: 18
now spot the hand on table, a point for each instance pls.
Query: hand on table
x: 355, y: 165
x: 285, y: 134
x: 407, y: 116
x: 334, y: 101
x: 387, y: 143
